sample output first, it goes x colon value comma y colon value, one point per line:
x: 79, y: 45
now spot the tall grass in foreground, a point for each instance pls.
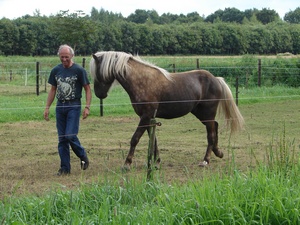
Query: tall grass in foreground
x: 266, y: 195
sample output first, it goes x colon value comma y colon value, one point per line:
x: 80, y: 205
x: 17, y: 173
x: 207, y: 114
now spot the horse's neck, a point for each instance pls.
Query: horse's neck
x: 137, y: 80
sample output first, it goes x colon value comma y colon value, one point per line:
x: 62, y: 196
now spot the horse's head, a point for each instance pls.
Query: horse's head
x: 102, y: 83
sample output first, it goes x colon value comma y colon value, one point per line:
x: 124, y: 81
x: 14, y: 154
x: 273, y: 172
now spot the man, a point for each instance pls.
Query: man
x: 67, y: 80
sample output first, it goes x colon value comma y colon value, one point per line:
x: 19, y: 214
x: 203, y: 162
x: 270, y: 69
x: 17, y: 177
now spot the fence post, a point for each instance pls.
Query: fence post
x: 198, y: 64
x: 101, y: 107
x: 237, y: 91
x: 46, y: 83
x: 259, y: 73
x: 174, y: 69
x: 151, y: 146
x: 83, y: 62
x: 37, y: 78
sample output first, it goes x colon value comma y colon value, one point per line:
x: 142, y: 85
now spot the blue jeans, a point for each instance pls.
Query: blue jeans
x: 67, y: 124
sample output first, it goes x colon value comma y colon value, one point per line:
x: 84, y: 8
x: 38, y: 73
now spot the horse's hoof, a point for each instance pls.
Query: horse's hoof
x: 125, y: 168
x: 203, y: 164
x: 157, y: 166
x: 220, y: 155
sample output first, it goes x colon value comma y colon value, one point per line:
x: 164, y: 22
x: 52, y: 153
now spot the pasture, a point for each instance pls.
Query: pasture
x: 29, y: 158
x: 244, y: 187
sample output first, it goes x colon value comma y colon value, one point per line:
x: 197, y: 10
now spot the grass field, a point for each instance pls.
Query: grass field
x: 251, y: 183
x: 256, y: 181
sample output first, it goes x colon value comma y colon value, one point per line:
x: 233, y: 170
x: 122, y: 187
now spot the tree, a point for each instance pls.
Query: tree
x: 27, y: 37
x: 234, y: 41
x: 9, y: 36
x: 212, y: 17
x: 139, y: 16
x: 281, y: 38
x: 294, y: 31
x: 211, y: 39
x: 232, y: 15
x: 145, y: 40
x: 130, y: 37
x: 266, y: 16
x: 293, y: 16
x: 259, y: 39
x: 72, y: 28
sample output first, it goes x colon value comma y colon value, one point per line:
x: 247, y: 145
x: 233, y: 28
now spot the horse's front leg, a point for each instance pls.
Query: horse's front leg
x: 212, y: 140
x: 144, y: 123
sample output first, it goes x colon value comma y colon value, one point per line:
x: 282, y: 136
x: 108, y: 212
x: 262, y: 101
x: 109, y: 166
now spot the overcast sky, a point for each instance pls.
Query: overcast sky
x: 12, y: 9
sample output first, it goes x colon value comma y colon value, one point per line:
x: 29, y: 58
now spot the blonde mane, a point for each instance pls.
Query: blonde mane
x: 116, y: 64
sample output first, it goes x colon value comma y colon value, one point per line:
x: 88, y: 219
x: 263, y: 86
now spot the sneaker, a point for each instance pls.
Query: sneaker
x: 62, y: 172
x: 84, y: 163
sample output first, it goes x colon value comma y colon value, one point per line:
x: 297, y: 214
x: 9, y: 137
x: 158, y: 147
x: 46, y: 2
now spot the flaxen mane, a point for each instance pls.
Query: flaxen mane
x: 116, y: 63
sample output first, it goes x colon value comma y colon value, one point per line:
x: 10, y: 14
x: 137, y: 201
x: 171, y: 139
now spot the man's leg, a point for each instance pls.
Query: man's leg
x: 63, y: 143
x: 72, y: 130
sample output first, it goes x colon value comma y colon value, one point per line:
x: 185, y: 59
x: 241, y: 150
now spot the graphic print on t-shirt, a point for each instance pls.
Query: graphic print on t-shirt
x: 66, y: 87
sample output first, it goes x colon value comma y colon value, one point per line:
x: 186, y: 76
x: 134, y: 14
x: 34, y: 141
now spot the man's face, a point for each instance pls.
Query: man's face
x: 65, y: 57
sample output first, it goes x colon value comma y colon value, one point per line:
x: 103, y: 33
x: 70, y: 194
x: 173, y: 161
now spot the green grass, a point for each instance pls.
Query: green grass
x: 262, y: 196
x: 22, y: 104
x: 268, y: 194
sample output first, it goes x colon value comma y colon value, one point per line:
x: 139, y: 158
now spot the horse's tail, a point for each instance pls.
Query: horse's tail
x: 233, y: 117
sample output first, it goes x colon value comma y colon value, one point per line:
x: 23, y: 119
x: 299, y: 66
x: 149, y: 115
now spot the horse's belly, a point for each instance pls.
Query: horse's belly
x: 173, y: 110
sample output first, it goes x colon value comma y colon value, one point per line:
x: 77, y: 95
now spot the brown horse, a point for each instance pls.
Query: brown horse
x: 171, y: 95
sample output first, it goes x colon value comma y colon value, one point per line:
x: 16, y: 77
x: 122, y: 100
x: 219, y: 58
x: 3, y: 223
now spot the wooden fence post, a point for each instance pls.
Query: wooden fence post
x: 101, y: 107
x: 83, y: 62
x: 174, y: 68
x: 237, y: 91
x: 259, y: 73
x: 151, y: 147
x: 37, y: 78
x: 198, y: 64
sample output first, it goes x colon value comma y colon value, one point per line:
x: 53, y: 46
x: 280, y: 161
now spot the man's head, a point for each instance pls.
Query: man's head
x: 66, y: 54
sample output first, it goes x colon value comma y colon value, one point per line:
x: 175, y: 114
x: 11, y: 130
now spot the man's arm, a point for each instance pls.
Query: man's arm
x: 50, y: 99
x: 88, y: 96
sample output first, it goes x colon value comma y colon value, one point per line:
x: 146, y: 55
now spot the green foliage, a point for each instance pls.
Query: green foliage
x: 229, y: 32
x: 293, y: 16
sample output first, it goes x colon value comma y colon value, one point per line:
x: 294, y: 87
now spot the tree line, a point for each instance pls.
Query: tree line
x: 225, y: 32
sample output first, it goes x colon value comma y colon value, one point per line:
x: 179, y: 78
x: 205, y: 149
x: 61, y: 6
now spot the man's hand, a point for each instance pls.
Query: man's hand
x: 46, y: 114
x: 85, y: 113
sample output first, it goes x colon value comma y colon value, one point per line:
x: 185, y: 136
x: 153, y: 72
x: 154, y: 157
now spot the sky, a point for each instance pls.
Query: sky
x: 13, y: 9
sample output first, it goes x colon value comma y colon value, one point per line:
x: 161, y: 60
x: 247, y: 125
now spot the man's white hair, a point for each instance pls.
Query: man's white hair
x: 66, y: 46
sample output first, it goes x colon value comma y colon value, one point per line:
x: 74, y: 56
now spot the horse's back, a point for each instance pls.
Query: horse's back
x: 201, y: 81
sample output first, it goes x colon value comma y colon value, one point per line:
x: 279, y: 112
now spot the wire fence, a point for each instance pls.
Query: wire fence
x: 256, y: 73
x: 119, y: 130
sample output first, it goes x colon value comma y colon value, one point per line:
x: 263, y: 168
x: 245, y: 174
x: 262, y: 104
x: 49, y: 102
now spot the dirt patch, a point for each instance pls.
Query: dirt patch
x: 29, y: 158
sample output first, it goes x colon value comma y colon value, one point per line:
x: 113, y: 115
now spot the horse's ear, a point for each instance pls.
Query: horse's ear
x: 95, y: 57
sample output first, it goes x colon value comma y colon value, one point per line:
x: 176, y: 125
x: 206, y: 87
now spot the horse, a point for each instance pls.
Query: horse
x: 153, y: 91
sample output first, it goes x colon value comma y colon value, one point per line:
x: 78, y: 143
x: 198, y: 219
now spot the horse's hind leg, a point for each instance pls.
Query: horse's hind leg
x: 212, y: 139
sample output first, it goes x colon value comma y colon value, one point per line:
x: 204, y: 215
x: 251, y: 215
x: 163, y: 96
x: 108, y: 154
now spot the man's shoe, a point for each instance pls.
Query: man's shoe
x: 84, y: 163
x: 62, y: 172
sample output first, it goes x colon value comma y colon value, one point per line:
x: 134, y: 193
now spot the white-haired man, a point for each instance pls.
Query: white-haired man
x: 67, y: 81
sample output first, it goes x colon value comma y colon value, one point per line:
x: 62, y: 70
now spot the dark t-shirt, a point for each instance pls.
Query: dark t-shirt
x: 69, y: 81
